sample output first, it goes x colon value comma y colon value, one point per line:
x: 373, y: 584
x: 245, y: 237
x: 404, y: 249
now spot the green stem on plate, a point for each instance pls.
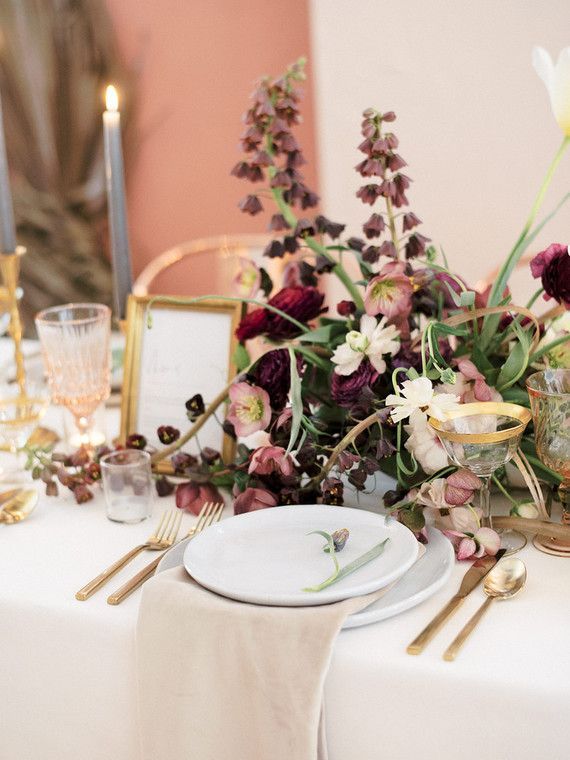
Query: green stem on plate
x: 356, y: 564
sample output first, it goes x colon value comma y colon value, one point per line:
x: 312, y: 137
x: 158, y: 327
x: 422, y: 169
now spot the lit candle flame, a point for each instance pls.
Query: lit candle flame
x: 111, y: 98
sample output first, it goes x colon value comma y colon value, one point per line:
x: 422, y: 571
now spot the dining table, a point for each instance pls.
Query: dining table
x: 68, y: 674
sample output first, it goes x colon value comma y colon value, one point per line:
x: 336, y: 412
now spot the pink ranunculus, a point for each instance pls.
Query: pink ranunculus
x: 252, y: 499
x: 268, y: 459
x: 250, y: 408
x: 191, y: 497
x: 248, y: 279
x: 390, y: 292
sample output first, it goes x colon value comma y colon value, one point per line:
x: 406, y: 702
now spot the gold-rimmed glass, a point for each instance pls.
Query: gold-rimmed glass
x: 482, y: 437
x: 549, y: 393
x: 19, y: 417
x: 75, y: 341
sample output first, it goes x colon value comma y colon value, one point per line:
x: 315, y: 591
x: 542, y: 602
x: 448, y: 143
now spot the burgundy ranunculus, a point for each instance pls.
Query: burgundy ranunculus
x: 252, y: 499
x: 346, y: 308
x: 553, y: 268
x: 300, y: 303
x: 273, y: 374
x: 345, y: 389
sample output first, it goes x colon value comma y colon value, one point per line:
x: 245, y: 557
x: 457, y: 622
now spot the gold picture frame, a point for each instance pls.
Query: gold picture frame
x: 151, y: 346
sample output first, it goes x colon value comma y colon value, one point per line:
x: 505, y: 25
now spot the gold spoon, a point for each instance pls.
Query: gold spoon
x: 504, y: 581
x: 18, y: 506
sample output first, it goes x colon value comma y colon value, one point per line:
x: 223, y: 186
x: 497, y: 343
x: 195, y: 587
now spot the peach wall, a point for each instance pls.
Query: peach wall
x: 197, y: 61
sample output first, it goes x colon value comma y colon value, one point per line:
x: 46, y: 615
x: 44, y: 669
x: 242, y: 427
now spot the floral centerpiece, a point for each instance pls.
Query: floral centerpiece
x: 343, y: 390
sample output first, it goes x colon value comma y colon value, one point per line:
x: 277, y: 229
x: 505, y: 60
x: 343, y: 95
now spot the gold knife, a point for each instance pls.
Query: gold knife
x: 471, y: 580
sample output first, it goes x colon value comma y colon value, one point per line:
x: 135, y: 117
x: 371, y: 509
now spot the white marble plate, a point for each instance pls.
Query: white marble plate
x: 423, y: 580
x: 268, y: 557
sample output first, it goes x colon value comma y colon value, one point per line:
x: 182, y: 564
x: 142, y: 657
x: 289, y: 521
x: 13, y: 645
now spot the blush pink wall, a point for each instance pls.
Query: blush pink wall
x: 196, y: 62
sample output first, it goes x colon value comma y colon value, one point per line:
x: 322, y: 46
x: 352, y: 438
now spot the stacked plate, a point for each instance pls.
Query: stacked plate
x: 269, y: 557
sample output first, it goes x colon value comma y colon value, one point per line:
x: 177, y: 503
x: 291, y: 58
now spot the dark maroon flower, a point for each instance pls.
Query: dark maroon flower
x: 388, y: 249
x: 345, y: 390
x: 407, y: 357
x: 82, y: 493
x: 303, y: 304
x: 278, y: 223
x: 295, y: 159
x: 309, y: 199
x: 307, y: 274
x: 195, y: 407
x: 274, y: 250
x: 323, y: 264
x: 387, y: 189
x: 164, y: 486
x: 183, y: 462
x: 209, y: 455
x: 553, y: 268
x: 290, y: 243
x: 93, y: 472
x: 304, y: 228
x: 167, y: 434
x: 333, y: 491
x: 396, y: 162
x: 262, y: 159
x: 356, y: 244
x: 273, y: 374
x: 370, y: 167
x: 281, y: 179
x: 346, y: 308
x: 380, y: 146
x: 240, y: 170
x: 368, y: 193
x: 332, y: 229
x: 374, y: 226
x: 251, y: 205
x: 136, y: 441
x: 409, y: 221
x: 366, y: 146
x: 371, y: 254
x: 416, y: 245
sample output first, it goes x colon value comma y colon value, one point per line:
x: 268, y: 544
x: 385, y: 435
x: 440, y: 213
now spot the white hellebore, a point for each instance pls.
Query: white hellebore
x: 419, y: 394
x: 556, y: 77
x: 374, y: 340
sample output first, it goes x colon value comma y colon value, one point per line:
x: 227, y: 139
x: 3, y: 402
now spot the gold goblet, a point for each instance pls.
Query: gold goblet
x: 549, y: 393
x: 482, y: 437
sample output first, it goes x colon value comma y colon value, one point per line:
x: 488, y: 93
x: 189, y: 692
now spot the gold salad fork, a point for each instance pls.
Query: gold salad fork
x: 162, y: 538
x: 209, y: 514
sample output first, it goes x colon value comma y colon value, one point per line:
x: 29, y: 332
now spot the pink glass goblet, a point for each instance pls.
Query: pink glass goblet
x: 75, y: 341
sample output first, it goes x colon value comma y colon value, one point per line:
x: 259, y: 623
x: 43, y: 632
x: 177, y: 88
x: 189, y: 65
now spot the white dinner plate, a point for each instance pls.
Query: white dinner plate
x: 268, y: 556
x: 421, y: 581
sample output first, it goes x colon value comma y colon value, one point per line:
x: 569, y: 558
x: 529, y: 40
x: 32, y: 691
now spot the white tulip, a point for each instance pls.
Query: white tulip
x: 557, y: 81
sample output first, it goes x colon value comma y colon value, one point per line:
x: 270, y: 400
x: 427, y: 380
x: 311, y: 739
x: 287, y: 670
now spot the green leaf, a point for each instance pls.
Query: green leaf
x: 356, y: 564
x: 296, y: 400
x: 517, y: 361
x: 467, y: 298
x: 241, y: 357
x: 412, y: 373
x: 312, y: 358
x: 456, y: 298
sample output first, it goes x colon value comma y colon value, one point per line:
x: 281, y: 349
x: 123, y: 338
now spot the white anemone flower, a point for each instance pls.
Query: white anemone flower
x: 419, y: 394
x: 556, y: 77
x: 374, y: 340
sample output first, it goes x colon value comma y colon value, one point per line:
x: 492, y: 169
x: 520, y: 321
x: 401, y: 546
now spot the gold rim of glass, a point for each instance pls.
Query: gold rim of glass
x: 27, y: 401
x: 538, y: 392
x: 503, y: 408
x: 43, y: 317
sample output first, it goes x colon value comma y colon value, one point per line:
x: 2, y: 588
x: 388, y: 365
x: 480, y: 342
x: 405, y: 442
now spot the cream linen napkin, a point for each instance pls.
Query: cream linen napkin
x: 225, y: 680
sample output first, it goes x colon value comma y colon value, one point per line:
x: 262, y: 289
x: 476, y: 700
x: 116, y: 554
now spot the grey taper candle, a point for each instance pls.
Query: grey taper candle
x: 7, y: 227
x: 117, y: 210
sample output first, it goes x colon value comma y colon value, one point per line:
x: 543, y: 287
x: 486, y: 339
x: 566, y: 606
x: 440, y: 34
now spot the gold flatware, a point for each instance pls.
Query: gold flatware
x: 504, y: 581
x: 209, y: 514
x: 163, y: 537
x: 42, y: 438
x: 471, y: 579
x: 17, y: 505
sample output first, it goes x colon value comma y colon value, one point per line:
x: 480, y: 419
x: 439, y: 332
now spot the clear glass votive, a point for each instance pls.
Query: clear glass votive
x: 127, y: 485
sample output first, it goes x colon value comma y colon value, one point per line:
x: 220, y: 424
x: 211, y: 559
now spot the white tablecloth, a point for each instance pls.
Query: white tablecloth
x: 67, y: 669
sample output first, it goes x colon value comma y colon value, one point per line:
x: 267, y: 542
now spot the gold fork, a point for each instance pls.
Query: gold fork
x: 163, y: 537
x: 209, y: 514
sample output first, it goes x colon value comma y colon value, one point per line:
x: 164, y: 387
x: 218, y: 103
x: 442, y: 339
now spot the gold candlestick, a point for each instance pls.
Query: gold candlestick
x: 10, y: 270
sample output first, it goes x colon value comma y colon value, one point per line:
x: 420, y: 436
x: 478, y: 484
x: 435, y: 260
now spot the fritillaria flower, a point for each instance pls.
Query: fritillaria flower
x: 419, y: 394
x: 136, y: 441
x: 252, y: 499
x: 374, y: 226
x: 269, y: 459
x: 556, y: 77
x: 167, y: 434
x: 389, y: 293
x: 374, y: 340
x: 409, y: 221
x: 553, y: 268
x: 251, y: 205
x: 332, y: 229
x: 250, y: 409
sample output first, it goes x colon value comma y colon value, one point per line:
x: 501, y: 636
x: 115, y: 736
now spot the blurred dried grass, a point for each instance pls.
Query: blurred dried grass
x: 56, y: 56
